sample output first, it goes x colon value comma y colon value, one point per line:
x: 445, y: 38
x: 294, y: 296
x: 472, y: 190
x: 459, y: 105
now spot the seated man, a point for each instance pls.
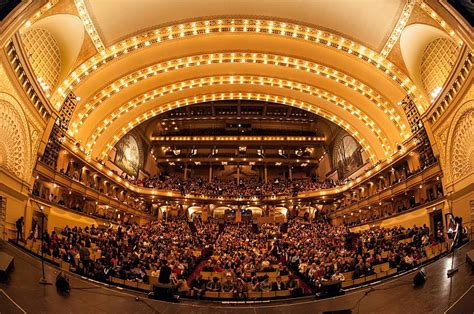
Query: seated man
x: 278, y: 285
x: 338, y: 276
x: 196, y: 287
x: 265, y: 284
x: 228, y: 285
x: 214, y: 285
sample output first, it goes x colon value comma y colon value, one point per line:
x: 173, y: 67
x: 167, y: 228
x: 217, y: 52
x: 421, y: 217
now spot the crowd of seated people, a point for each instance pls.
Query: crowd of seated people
x: 247, y: 187
x: 242, y: 257
x: 387, y: 211
x: 128, y: 253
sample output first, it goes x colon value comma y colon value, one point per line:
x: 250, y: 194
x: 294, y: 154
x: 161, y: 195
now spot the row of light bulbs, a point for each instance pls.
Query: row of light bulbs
x: 233, y: 96
x: 236, y: 25
x: 165, y: 66
x: 169, y: 89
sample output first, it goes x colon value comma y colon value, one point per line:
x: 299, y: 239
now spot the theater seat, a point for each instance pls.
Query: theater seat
x: 284, y: 293
x: 347, y: 283
x: 371, y: 277
x: 254, y: 294
x: 211, y: 294
x: 358, y: 281
x: 226, y: 295
x: 144, y: 286
x: 117, y: 280
x: 391, y: 271
x: 268, y: 294
x: 131, y: 283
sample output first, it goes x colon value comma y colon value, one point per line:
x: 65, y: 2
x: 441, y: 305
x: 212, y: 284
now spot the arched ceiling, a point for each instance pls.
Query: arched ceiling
x: 116, y: 20
x: 316, y: 55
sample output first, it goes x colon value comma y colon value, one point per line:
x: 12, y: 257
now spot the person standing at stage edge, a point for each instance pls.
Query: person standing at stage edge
x: 19, y: 229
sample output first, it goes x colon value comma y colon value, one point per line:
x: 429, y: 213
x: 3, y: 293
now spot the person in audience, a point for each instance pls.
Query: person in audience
x: 314, y: 251
x: 278, y: 285
x: 197, y: 287
x: 214, y: 285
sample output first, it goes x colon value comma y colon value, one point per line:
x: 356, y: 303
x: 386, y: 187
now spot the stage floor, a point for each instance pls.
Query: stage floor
x: 23, y: 294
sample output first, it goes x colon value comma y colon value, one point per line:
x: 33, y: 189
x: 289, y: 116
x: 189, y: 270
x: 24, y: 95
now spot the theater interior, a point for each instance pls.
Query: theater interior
x: 236, y: 156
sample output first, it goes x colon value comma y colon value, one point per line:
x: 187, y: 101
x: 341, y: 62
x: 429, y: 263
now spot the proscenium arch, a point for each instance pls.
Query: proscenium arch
x: 112, y: 137
x: 239, y: 80
x: 234, y: 26
x: 324, y: 71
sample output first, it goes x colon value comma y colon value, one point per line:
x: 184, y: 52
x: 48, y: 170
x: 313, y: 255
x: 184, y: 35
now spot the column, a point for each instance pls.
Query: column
x: 210, y: 173
x: 238, y: 174
x: 290, y: 172
x: 238, y: 214
x: 185, y: 171
x: 265, y: 174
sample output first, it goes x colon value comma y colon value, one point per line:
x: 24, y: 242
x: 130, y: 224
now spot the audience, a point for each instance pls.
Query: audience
x: 313, y: 251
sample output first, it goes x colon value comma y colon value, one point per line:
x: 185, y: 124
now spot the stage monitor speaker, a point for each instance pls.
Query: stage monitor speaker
x: 62, y: 283
x: 470, y: 258
x: 330, y: 288
x: 419, y: 278
x: 164, y: 293
x: 6, y: 265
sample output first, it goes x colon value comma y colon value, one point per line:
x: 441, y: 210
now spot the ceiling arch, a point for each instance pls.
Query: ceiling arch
x: 129, y: 119
x: 262, y: 28
x: 98, y: 125
x: 105, y: 92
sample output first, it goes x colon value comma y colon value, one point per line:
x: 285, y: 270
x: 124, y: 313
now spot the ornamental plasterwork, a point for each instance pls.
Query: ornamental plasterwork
x: 14, y: 138
x: 462, y: 154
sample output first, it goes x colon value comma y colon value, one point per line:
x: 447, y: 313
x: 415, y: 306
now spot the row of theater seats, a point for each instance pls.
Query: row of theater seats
x: 384, y: 270
x: 380, y: 270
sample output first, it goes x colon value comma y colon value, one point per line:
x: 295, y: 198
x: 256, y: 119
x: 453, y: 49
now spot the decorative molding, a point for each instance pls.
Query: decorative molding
x: 460, y: 143
x: 234, y: 26
x: 89, y: 25
x: 14, y: 138
x: 462, y: 154
x: 397, y: 31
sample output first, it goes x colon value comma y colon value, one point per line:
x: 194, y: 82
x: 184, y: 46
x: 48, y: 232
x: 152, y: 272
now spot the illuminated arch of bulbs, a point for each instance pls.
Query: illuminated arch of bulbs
x: 274, y: 28
x: 243, y: 57
x: 237, y: 96
x: 252, y: 80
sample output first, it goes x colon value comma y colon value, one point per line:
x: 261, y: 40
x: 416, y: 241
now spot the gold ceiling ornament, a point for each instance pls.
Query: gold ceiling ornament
x: 448, y: 29
x: 397, y: 31
x: 224, y: 26
x: 89, y: 25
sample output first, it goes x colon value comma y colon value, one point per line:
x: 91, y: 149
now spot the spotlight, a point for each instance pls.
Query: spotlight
x: 176, y: 151
x: 282, y: 153
x: 261, y: 152
x: 194, y: 152
x: 299, y: 152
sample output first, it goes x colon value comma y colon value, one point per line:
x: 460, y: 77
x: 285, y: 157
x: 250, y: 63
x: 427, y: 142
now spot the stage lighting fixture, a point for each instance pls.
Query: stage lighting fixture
x: 194, y: 152
x: 299, y: 152
x: 282, y: 153
x: 261, y: 152
x: 176, y: 151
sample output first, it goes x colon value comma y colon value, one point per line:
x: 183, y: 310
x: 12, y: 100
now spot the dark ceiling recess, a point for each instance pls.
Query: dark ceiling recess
x: 6, y: 6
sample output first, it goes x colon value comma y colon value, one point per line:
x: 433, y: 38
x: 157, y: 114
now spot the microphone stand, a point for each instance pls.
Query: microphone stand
x: 42, y: 280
